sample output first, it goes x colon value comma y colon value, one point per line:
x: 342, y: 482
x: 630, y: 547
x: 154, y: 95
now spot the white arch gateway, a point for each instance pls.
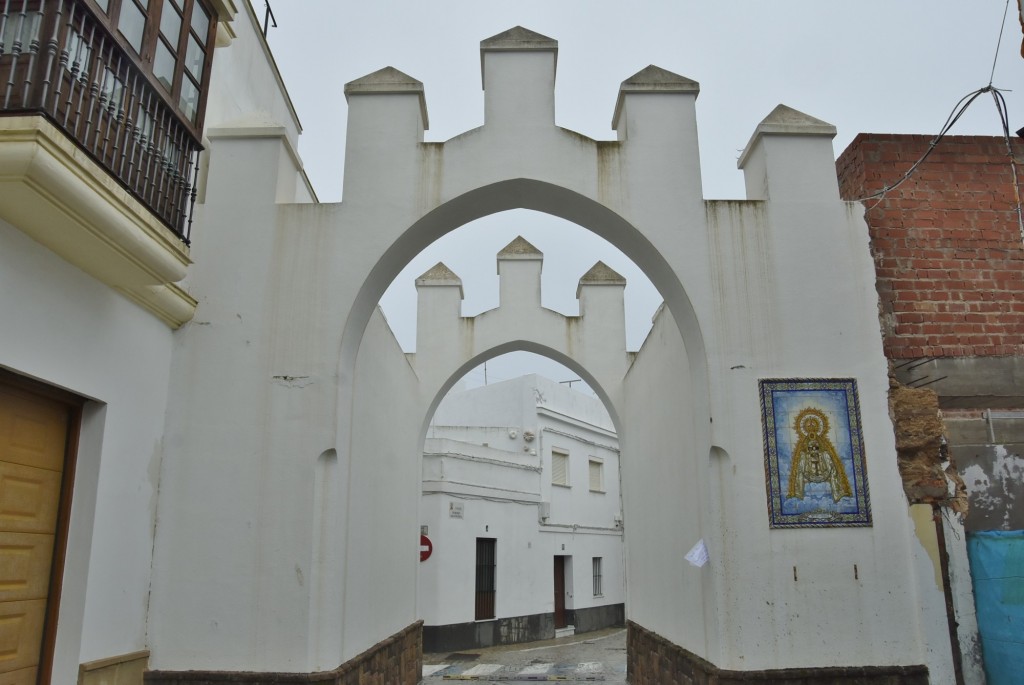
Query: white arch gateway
x: 287, y: 539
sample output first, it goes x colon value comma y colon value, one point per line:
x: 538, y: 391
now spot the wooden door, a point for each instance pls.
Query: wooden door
x: 33, y: 444
x: 560, y: 621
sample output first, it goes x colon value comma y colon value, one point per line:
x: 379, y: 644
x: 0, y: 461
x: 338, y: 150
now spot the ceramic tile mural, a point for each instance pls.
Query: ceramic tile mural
x: 814, y: 453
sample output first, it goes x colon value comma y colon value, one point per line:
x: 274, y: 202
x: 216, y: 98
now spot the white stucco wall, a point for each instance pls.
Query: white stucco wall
x: 66, y: 329
x: 246, y: 86
x: 382, y: 546
x: 666, y: 493
x: 231, y: 379
x: 781, y: 282
x: 287, y: 360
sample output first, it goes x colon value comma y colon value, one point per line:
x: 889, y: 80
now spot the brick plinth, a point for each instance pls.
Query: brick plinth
x: 653, y: 660
x: 397, y: 660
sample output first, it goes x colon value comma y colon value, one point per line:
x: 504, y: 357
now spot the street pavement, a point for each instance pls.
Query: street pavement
x: 591, y: 657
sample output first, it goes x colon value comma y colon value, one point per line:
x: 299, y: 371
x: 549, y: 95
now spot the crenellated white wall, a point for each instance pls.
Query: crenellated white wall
x: 287, y: 515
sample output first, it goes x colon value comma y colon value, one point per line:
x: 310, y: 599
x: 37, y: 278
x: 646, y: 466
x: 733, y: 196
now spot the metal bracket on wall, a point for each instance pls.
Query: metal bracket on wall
x: 995, y: 415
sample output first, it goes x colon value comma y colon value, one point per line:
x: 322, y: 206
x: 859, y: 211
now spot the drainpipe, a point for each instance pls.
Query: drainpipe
x: 947, y: 590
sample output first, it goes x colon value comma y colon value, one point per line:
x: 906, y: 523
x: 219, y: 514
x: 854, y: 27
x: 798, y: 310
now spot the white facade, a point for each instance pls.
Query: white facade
x: 487, y: 473
x: 247, y: 490
x: 88, y: 305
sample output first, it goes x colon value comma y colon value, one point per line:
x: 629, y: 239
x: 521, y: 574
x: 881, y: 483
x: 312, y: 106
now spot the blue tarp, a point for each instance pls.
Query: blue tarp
x: 997, y: 569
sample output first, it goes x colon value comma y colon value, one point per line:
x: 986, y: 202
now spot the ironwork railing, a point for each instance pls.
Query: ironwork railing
x: 57, y: 59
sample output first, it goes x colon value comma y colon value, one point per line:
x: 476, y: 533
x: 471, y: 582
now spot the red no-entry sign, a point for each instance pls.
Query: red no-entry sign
x: 426, y: 547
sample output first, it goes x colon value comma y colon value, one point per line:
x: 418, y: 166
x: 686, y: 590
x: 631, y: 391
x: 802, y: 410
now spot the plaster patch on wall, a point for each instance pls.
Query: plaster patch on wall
x: 995, y: 491
x: 292, y: 381
x: 924, y: 528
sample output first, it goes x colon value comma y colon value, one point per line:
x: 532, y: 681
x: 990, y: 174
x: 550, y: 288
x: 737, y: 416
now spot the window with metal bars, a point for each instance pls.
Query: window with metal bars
x: 598, y: 591
x: 486, y: 567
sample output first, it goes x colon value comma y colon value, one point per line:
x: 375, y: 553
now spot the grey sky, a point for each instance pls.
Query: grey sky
x: 889, y: 66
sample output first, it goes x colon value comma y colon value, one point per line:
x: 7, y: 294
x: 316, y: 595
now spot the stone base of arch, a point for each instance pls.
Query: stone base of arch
x: 397, y: 660
x: 653, y: 660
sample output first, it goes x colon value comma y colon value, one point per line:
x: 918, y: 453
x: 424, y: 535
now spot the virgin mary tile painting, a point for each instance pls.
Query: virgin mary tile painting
x: 814, y: 453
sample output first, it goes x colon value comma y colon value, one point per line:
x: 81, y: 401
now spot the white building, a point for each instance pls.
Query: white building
x: 522, y: 504
x: 99, y: 151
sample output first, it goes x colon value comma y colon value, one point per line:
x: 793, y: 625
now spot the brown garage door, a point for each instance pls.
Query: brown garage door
x: 34, y: 440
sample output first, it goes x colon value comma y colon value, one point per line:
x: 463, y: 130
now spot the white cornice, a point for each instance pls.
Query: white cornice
x: 55, y: 193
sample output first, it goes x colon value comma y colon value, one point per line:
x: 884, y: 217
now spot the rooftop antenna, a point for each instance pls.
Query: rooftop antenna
x: 267, y: 18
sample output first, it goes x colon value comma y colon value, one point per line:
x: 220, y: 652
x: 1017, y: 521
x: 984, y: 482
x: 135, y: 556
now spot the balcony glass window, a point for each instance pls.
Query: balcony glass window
x: 200, y: 23
x: 189, y: 100
x: 163, y: 66
x: 20, y: 29
x: 112, y: 91
x: 79, y: 54
x: 170, y: 22
x: 195, y: 58
x: 173, y: 43
x: 132, y: 24
x: 144, y: 126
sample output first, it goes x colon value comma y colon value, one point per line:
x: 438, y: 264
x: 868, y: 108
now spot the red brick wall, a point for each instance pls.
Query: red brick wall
x: 653, y: 660
x: 946, y: 243
x: 398, y: 660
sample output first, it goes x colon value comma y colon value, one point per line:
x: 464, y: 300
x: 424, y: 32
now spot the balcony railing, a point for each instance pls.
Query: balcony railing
x: 56, y: 59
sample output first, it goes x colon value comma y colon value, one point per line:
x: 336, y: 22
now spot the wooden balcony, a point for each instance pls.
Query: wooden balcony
x: 59, y: 60
x: 101, y: 112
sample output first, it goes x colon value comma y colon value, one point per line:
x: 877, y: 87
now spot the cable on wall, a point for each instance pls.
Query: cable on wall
x: 954, y: 116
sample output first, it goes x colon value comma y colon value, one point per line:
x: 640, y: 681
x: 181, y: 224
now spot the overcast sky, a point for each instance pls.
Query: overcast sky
x: 881, y: 66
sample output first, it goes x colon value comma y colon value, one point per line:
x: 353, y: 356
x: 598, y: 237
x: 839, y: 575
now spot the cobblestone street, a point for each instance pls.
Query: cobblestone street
x: 592, y: 657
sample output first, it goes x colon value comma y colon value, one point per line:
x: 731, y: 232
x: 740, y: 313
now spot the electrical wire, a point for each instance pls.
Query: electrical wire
x: 1004, y: 120
x: 998, y: 43
x: 954, y: 116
